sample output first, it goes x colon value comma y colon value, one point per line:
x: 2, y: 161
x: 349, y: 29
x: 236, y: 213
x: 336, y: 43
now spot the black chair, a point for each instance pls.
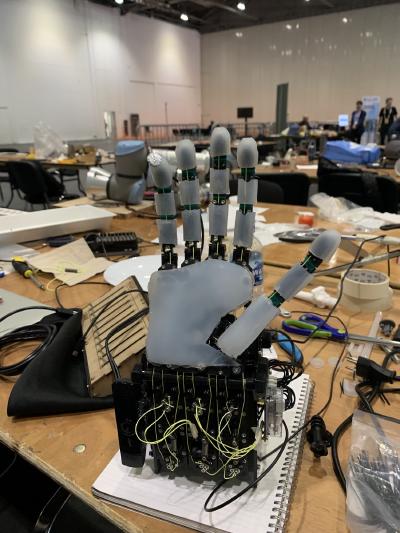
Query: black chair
x: 295, y: 186
x: 270, y: 193
x: 70, y: 174
x: 36, y: 185
x: 366, y: 189
x: 4, y: 177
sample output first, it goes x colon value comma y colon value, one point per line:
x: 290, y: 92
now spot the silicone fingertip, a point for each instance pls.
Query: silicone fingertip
x: 185, y: 154
x: 220, y: 143
x: 247, y: 153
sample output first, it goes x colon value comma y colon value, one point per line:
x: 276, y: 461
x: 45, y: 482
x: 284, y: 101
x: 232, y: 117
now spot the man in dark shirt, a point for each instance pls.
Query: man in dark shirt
x: 357, y: 124
x: 387, y: 116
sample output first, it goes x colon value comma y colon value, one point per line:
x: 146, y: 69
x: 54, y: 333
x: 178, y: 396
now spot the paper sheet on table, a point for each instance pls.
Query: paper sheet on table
x: 307, y: 167
x: 11, y: 250
x: 76, y: 255
x: 265, y: 233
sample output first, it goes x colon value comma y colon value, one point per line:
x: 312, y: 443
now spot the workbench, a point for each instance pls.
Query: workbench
x: 266, y: 170
x: 317, y: 502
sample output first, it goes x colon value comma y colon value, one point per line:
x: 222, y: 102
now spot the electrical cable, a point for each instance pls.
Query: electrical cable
x: 29, y: 308
x: 43, y: 332
x: 80, y: 283
x: 280, y: 448
x: 323, y: 409
x: 105, y: 307
x: 120, y: 327
x: 340, y: 430
x: 289, y: 339
x: 252, y: 484
x: 341, y: 284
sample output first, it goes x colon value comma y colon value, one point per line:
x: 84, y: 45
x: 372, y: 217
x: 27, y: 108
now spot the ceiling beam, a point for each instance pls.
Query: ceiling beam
x: 156, y: 5
x: 220, y: 5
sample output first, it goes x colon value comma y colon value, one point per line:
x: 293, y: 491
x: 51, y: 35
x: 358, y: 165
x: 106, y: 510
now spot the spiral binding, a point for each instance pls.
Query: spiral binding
x: 283, y: 495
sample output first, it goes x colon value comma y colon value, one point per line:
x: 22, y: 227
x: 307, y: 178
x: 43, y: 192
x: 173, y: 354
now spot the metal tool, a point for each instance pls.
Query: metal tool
x: 387, y: 326
x: 290, y: 348
x: 24, y: 269
x: 358, y: 263
x: 308, y: 323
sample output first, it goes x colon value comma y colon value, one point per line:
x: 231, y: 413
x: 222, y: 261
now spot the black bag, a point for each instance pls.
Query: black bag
x: 55, y: 381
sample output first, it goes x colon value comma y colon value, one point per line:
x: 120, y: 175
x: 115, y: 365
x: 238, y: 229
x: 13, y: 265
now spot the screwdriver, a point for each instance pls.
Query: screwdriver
x: 21, y: 266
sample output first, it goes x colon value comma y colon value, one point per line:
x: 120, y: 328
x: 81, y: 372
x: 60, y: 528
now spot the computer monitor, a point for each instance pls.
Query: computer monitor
x: 244, y: 112
x: 343, y: 121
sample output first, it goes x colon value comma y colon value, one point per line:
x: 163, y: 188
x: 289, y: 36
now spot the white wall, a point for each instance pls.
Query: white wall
x: 65, y: 62
x: 328, y: 64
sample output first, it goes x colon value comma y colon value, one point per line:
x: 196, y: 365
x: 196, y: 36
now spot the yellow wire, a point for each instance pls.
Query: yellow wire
x: 237, y: 453
x: 50, y: 282
x: 231, y: 453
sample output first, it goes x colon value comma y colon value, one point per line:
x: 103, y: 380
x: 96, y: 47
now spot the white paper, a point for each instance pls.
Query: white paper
x: 307, y: 167
x: 73, y: 256
x: 8, y: 251
x: 265, y: 233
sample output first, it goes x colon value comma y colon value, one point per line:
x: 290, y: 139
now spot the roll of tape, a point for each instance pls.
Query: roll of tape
x: 366, y: 290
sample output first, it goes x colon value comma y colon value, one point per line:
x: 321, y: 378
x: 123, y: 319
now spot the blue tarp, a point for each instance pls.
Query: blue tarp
x: 349, y: 152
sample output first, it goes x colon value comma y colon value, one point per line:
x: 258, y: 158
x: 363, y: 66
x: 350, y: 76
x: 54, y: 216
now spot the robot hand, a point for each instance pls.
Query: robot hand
x: 187, y: 304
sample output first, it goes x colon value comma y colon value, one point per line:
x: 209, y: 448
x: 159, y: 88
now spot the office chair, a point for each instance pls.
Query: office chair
x: 295, y: 186
x: 363, y: 188
x: 35, y: 184
x: 270, y: 193
x: 71, y: 174
x: 4, y: 177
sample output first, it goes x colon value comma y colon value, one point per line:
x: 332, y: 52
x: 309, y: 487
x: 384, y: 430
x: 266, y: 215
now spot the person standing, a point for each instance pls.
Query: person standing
x: 357, y: 124
x: 387, y: 116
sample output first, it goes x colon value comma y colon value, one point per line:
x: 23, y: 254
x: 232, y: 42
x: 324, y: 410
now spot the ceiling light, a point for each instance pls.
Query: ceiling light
x: 241, y: 6
x: 239, y: 34
x: 184, y: 17
x: 288, y: 26
x: 307, y: 1
x: 119, y: 2
x: 345, y: 20
x: 297, y: 26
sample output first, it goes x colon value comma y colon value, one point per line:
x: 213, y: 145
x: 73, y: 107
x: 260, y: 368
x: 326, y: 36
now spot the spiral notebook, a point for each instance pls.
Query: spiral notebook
x: 180, y: 500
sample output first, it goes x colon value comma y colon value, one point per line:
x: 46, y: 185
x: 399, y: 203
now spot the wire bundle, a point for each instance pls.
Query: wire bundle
x: 40, y: 332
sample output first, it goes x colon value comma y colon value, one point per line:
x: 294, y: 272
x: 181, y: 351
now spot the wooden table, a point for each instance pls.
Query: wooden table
x: 205, y: 143
x: 265, y: 170
x: 317, y: 504
x: 49, y: 163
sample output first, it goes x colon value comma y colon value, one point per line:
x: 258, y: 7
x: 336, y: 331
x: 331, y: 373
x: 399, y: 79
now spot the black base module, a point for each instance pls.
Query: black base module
x: 192, y: 419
